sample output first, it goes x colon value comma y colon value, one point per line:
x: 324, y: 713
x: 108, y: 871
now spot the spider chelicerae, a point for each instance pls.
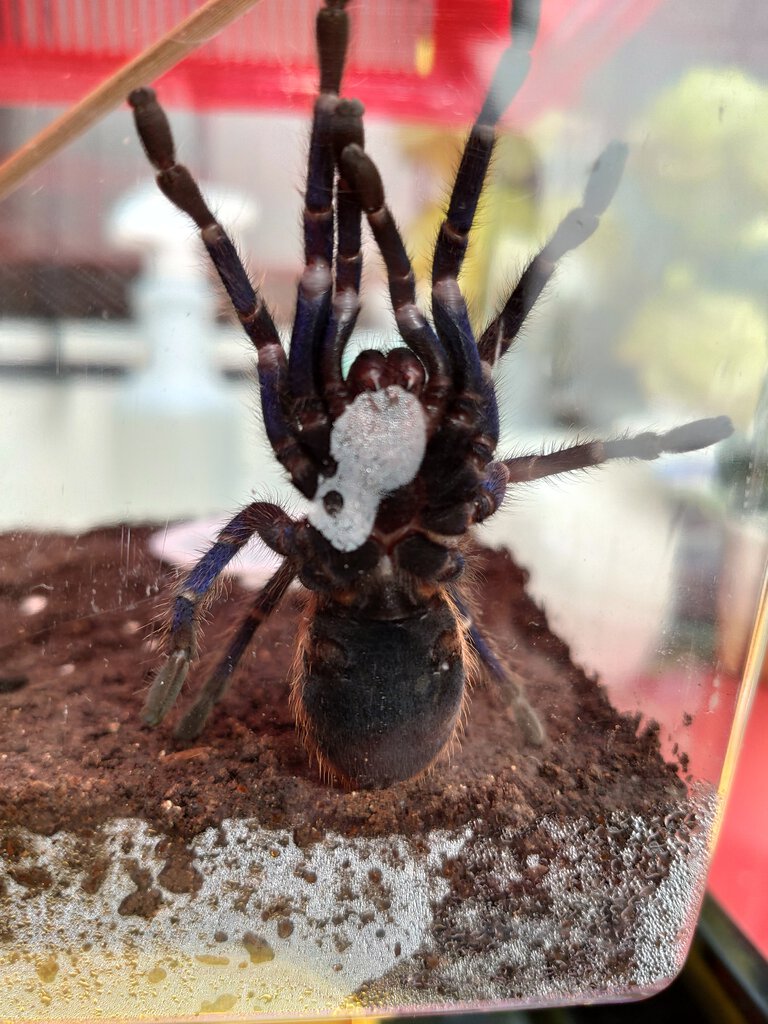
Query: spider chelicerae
x: 396, y: 457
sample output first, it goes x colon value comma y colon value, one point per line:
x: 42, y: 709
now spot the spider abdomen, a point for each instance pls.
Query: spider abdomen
x: 379, y: 700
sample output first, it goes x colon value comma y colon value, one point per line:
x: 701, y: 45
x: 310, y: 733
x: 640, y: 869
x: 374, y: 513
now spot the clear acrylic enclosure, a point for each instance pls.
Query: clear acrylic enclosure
x: 146, y: 877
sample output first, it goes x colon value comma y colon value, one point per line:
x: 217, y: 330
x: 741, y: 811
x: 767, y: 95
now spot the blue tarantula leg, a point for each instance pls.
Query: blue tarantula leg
x: 332, y: 37
x: 356, y: 167
x: 347, y: 129
x: 193, y: 722
x: 576, y: 227
x: 689, y: 437
x: 275, y: 528
x: 176, y: 182
x: 510, y: 74
x: 511, y: 685
x: 647, y: 446
x: 332, y: 34
x: 313, y: 301
x: 448, y: 305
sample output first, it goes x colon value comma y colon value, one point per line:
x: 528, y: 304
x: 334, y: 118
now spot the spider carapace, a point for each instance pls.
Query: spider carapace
x: 396, y: 458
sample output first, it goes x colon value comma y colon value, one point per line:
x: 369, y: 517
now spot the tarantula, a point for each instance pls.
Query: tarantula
x: 396, y: 458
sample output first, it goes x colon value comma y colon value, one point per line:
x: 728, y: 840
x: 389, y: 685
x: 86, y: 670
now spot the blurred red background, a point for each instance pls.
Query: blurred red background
x: 418, y: 59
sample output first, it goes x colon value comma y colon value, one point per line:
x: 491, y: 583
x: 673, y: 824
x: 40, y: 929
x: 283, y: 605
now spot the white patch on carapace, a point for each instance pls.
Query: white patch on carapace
x: 378, y: 443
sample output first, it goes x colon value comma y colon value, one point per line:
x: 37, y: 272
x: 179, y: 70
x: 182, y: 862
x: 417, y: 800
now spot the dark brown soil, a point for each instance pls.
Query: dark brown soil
x: 558, y: 873
x: 78, y: 636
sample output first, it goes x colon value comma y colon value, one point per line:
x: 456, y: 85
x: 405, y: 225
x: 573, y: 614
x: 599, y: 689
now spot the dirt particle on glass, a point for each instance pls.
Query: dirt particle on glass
x: 259, y: 950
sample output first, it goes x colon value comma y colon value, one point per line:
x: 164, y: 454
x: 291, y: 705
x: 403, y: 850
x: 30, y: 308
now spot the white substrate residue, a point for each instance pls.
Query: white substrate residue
x: 346, y: 924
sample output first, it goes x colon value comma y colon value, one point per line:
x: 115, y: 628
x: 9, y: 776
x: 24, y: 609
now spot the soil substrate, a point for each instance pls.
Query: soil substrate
x: 544, y: 864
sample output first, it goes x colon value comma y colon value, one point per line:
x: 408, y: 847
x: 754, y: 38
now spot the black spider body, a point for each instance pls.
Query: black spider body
x: 378, y: 700
x: 396, y: 458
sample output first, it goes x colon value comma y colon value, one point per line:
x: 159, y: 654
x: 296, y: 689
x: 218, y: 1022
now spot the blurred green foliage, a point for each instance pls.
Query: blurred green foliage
x: 699, y: 336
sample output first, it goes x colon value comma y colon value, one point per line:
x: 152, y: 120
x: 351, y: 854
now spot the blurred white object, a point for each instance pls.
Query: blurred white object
x: 178, y: 422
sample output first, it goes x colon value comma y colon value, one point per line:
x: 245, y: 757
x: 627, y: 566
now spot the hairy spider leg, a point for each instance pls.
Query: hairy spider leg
x: 176, y: 182
x: 689, y: 437
x: 448, y: 304
x: 276, y: 529
x: 347, y: 128
x: 455, y: 472
x: 511, y: 71
x: 576, y: 227
x: 356, y: 167
x: 510, y: 683
x: 313, y: 301
x: 214, y: 688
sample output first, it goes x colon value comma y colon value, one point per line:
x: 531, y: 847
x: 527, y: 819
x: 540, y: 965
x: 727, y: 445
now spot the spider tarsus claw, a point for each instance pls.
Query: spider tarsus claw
x: 166, y: 686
